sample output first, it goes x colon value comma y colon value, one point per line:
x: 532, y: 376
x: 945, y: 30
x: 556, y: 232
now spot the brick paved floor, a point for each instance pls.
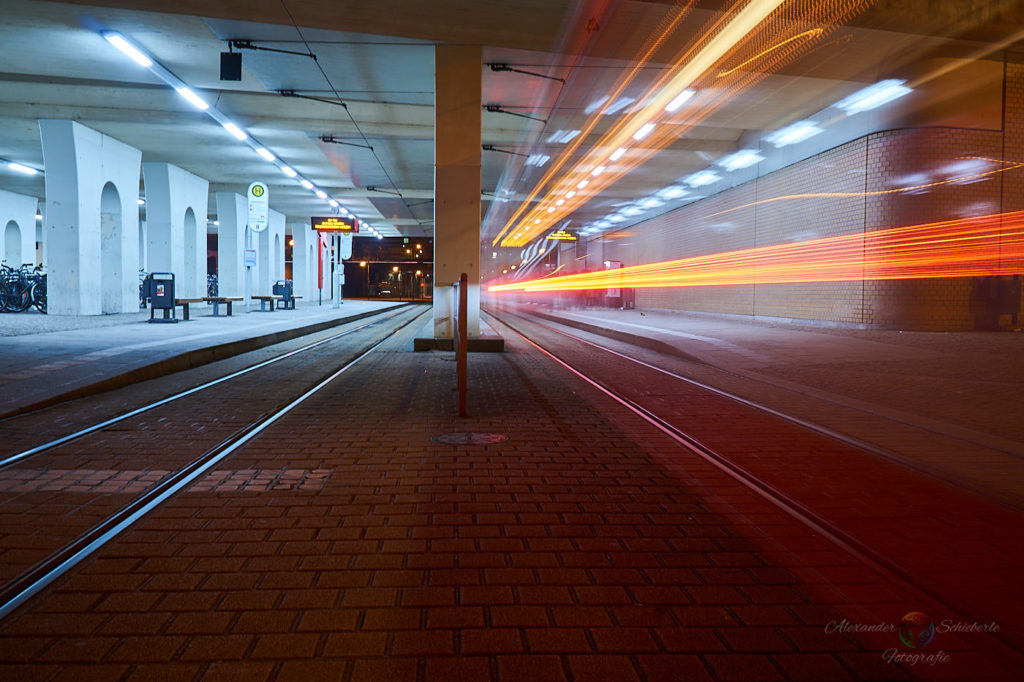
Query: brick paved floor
x: 344, y: 544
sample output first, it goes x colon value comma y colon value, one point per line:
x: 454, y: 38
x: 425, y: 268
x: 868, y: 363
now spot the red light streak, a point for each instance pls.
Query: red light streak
x: 967, y: 247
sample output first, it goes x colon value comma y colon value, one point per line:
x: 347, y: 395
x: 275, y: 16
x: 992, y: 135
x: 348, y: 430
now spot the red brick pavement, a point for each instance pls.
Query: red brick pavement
x: 585, y: 547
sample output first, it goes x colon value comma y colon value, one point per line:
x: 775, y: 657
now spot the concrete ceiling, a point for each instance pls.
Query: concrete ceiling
x: 377, y: 59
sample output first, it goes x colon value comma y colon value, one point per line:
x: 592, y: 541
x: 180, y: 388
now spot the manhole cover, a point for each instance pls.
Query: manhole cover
x: 469, y: 438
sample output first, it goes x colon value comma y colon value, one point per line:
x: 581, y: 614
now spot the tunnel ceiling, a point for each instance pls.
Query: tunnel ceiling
x: 377, y: 59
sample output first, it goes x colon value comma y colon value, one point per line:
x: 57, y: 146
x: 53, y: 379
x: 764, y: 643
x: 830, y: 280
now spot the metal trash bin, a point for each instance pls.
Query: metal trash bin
x: 159, y: 287
x: 285, y: 289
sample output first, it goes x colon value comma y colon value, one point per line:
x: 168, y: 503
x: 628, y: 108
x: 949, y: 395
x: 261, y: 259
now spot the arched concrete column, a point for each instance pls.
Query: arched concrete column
x: 304, y: 261
x: 112, y: 274
x: 232, y: 213
x: 80, y: 163
x: 175, y: 244
x: 194, y: 260
x: 270, y: 253
x: 17, y: 245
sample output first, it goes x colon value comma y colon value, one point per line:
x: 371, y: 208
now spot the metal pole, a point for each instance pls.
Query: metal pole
x: 335, y: 287
x: 248, y: 270
x: 461, y: 342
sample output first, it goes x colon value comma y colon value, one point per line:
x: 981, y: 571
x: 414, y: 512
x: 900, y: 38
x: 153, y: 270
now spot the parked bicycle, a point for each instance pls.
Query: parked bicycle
x: 21, y: 288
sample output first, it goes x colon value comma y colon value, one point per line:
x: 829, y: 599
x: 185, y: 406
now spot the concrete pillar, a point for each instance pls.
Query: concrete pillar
x: 176, y: 202
x: 92, y: 220
x: 457, y: 120
x: 232, y: 214
x: 304, y: 261
x: 17, y: 228
x: 270, y: 256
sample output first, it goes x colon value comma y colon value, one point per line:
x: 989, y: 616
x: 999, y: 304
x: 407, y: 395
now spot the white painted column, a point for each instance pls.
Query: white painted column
x: 232, y: 214
x: 92, y: 220
x: 176, y: 202
x: 304, y: 261
x: 457, y: 121
x: 17, y: 228
x: 270, y: 254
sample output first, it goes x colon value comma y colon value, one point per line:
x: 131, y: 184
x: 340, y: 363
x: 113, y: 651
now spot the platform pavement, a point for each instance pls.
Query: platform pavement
x: 949, y: 403
x: 50, y: 358
x: 354, y: 547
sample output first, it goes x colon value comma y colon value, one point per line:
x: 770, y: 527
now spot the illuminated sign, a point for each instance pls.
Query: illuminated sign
x: 563, y: 236
x: 334, y: 224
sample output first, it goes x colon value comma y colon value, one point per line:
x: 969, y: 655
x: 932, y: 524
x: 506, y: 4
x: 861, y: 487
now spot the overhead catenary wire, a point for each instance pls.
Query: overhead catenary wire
x: 337, y: 94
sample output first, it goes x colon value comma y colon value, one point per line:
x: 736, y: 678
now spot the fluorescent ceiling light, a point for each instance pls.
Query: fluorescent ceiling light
x: 616, y: 218
x: 559, y: 202
x: 333, y: 203
x: 537, y: 160
x: 118, y: 41
x: 650, y: 202
x: 562, y: 136
x: 794, y: 132
x: 673, y: 192
x: 595, y: 105
x: 618, y: 105
x: 288, y: 171
x: 631, y: 211
x: 741, y: 159
x: 265, y: 153
x: 306, y: 183
x: 582, y: 183
x: 142, y: 202
x: 39, y: 216
x: 644, y: 131
x: 551, y: 209
x: 617, y: 154
x: 322, y: 194
x: 234, y: 130
x: 570, y: 194
x: 216, y: 222
x: 679, y: 100
x: 701, y: 178
x: 21, y: 169
x: 193, y: 99
x: 599, y: 170
x: 874, y: 96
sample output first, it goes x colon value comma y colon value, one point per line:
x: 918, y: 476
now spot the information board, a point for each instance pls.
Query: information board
x: 259, y: 206
x: 334, y: 224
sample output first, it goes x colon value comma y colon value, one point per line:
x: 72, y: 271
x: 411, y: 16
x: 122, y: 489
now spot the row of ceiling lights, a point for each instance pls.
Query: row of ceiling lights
x: 865, y: 99
x: 179, y: 86
x: 588, y: 176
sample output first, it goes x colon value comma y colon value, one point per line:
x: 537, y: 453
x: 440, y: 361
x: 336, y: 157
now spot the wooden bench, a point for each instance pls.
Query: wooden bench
x: 285, y: 305
x: 217, y: 300
x: 184, y: 303
x: 267, y: 299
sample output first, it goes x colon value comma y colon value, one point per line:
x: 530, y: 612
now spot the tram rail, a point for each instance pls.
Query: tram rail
x: 893, y: 570
x: 37, y: 576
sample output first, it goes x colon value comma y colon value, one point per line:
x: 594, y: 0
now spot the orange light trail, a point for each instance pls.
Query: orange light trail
x: 812, y: 33
x: 747, y: 27
x: 967, y: 247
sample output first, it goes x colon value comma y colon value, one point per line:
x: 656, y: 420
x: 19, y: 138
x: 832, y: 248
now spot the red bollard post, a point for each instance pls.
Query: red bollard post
x: 461, y: 342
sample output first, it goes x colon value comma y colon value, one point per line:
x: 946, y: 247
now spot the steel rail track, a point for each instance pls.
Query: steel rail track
x: 876, y: 561
x: 818, y: 428
x: 38, y: 577
x: 6, y: 462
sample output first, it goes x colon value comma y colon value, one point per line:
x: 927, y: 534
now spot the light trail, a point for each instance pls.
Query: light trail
x: 750, y: 28
x: 812, y: 33
x: 966, y: 247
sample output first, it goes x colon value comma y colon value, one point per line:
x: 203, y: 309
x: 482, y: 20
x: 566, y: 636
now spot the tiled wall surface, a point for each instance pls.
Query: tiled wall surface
x: 855, y: 188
